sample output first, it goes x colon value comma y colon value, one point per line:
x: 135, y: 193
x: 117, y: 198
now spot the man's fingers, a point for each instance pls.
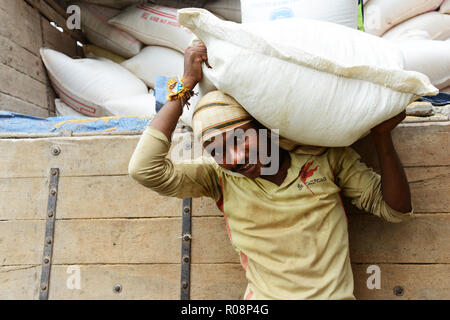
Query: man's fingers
x: 205, y: 59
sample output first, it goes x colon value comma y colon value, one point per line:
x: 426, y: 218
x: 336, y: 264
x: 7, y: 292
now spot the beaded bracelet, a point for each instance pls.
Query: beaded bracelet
x: 177, y: 91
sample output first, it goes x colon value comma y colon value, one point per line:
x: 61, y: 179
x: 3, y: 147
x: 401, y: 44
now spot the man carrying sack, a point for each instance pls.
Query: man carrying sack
x: 288, y: 225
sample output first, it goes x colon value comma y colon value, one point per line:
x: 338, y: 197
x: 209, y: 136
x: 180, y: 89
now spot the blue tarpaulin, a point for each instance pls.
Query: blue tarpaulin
x: 19, y: 123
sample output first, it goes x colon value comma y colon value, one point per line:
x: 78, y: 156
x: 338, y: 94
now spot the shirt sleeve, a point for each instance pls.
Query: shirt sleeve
x: 150, y: 167
x: 363, y: 186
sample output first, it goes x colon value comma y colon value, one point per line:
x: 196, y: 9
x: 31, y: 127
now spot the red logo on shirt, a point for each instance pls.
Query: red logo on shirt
x: 306, y: 173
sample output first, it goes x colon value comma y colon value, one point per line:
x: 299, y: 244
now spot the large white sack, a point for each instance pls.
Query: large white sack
x: 155, y: 61
x: 436, y: 25
x: 154, y: 25
x: 327, y: 85
x: 119, y: 4
x: 445, y: 7
x: 94, y: 22
x: 63, y: 110
x: 429, y: 57
x: 86, y: 84
x: 382, y: 15
x: 344, y: 12
x: 227, y: 9
x: 136, y: 106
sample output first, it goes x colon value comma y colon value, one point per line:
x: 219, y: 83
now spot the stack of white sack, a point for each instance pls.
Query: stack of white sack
x: 408, y: 19
x: 429, y: 57
x: 382, y: 15
x: 327, y: 85
x: 344, y: 12
x: 154, y: 61
x: 97, y: 87
x: 97, y: 30
x: 431, y: 25
x: 153, y: 25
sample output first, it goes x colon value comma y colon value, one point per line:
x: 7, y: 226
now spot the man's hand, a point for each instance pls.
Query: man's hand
x: 388, y: 125
x: 193, y: 59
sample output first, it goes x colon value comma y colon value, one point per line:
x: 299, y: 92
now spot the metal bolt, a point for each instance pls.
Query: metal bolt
x: 56, y: 151
x: 187, y: 237
x: 51, y: 213
x: 43, y: 286
x: 48, y: 241
x: 187, y: 146
x: 186, y: 210
x: 398, y: 290
x: 117, y: 288
x: 184, y: 284
x: 46, y: 260
x: 53, y: 192
x: 54, y: 172
x: 186, y: 259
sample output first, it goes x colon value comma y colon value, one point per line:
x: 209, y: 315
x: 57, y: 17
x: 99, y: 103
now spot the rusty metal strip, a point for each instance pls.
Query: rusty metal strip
x: 49, y: 234
x: 186, y: 238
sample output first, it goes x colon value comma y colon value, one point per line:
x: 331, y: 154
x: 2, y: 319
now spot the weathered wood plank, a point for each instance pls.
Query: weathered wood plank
x: 21, y: 242
x: 20, y: 23
x: 80, y: 156
x: 417, y: 145
x: 93, y: 198
x: 20, y: 282
x: 208, y: 281
x: 22, y: 86
x: 115, y: 241
x: 423, y: 239
x: 52, y: 15
x: 12, y: 104
x: 420, y: 282
x: 430, y: 188
x: 152, y: 282
x: 18, y: 58
x: 59, y: 41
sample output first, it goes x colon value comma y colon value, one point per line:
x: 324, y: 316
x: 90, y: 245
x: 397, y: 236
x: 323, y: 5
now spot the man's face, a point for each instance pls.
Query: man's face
x: 239, y: 150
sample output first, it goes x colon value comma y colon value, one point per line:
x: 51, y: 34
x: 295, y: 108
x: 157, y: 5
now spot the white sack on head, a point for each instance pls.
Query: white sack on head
x: 436, y: 25
x: 86, y: 84
x: 429, y: 57
x: 154, y: 25
x: 155, y: 61
x: 382, y: 15
x: 344, y: 12
x: 445, y: 7
x: 325, y: 86
x: 94, y: 22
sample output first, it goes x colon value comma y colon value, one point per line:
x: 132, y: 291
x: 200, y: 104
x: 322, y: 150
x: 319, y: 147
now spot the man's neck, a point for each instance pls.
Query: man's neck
x: 285, y: 164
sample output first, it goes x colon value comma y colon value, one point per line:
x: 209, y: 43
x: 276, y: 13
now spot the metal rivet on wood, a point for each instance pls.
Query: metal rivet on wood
x: 56, y: 151
x: 49, y: 234
x: 117, y: 288
x: 186, y: 249
x: 398, y: 290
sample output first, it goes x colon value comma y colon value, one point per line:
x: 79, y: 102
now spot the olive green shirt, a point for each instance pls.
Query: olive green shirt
x: 292, y: 239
